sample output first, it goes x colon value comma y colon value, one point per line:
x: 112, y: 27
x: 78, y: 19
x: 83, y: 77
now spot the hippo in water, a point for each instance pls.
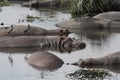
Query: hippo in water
x: 113, y: 15
x: 58, y: 42
x: 19, y: 30
x: 46, y: 3
x: 109, y: 60
x: 44, y: 61
x: 29, y: 50
x: 108, y: 20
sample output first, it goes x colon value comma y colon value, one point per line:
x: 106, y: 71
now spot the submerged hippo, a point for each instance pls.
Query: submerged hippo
x: 29, y: 50
x: 59, y: 42
x: 44, y: 61
x: 109, y: 60
x: 19, y: 30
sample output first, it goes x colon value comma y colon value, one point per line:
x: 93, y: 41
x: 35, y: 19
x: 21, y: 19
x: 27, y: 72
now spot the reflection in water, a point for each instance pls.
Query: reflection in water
x: 96, y: 37
x: 10, y: 59
x: 26, y: 57
x: 23, y: 50
x: 42, y: 75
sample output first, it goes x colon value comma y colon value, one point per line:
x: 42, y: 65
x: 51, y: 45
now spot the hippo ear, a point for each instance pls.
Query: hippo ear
x: 66, y: 31
x: 61, y: 31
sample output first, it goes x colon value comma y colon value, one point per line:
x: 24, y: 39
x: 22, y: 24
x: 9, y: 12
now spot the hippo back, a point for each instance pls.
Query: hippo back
x: 18, y: 30
x: 44, y: 61
x: 114, y: 16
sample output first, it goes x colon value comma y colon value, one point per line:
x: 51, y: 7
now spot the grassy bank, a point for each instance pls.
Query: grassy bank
x: 5, y: 3
x: 91, y: 7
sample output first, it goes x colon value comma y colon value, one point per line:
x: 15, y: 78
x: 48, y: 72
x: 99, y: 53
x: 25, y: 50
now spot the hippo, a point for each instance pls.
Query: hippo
x: 108, y: 60
x: 29, y: 50
x: 46, y: 3
x: 60, y: 43
x: 108, y: 20
x: 44, y: 61
x: 19, y: 30
x: 112, y: 15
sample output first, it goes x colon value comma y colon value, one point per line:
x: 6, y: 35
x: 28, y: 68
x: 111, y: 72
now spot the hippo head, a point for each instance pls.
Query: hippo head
x: 33, y: 4
x: 70, y: 44
x: 64, y: 32
x: 77, y: 44
x: 84, y: 63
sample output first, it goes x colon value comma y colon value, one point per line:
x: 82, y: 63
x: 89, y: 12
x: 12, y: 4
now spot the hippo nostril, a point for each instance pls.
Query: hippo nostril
x: 2, y: 23
x: 82, y: 45
x: 79, y: 45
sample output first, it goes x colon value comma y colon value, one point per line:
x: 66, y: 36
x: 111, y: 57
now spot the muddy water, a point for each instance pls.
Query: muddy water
x: 13, y: 65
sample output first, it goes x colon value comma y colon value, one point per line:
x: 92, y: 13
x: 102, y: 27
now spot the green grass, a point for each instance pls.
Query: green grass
x: 0, y: 9
x: 31, y: 18
x: 86, y: 74
x: 91, y: 7
x: 5, y: 3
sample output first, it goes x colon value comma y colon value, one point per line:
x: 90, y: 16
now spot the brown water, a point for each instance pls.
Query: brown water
x: 13, y: 65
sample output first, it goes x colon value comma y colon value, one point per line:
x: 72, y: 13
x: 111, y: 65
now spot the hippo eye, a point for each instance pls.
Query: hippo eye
x: 66, y: 31
x: 61, y: 30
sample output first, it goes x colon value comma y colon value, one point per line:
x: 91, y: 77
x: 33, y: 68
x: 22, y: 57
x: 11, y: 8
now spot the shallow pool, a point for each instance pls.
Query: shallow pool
x: 13, y: 65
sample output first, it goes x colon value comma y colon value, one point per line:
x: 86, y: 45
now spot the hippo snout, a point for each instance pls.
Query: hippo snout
x: 79, y: 45
x: 83, y: 63
x: 86, y: 63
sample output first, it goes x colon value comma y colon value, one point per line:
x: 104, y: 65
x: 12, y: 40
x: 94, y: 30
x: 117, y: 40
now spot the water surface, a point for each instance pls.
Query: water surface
x: 14, y: 65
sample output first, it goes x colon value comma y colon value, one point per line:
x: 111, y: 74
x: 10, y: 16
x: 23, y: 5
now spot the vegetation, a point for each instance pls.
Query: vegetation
x: 0, y: 9
x: 93, y: 74
x: 91, y: 7
x: 31, y: 18
x: 5, y: 3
